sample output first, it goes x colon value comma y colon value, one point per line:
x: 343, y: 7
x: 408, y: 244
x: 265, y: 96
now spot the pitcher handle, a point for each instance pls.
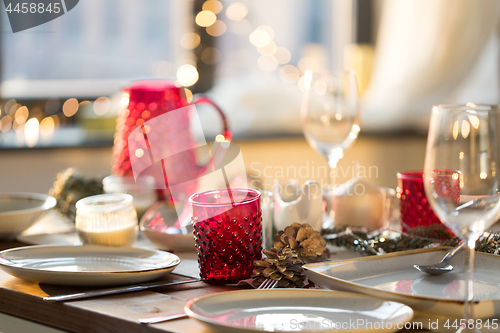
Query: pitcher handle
x: 202, y: 99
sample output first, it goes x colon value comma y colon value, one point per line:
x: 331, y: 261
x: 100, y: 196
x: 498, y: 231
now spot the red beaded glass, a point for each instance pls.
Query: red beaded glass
x: 414, y: 207
x: 227, y: 231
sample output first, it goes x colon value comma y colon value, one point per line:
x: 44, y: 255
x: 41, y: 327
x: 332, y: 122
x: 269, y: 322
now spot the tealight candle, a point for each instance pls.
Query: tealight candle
x: 107, y: 219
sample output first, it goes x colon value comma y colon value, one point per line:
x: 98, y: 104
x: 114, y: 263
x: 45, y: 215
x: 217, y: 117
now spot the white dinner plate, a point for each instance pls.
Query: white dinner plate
x: 393, y: 277
x: 86, y: 265
x: 291, y: 310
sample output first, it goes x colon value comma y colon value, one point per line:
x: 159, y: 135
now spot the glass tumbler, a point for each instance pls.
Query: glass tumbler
x: 413, y: 204
x: 107, y: 219
x: 228, y: 233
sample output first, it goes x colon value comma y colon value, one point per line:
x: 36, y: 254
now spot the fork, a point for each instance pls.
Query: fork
x: 268, y: 284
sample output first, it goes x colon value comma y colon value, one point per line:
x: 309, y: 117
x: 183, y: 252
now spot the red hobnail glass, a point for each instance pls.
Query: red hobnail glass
x: 227, y: 231
x: 414, y: 207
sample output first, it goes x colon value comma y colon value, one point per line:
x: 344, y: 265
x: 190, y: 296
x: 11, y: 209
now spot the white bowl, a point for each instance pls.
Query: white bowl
x: 18, y: 211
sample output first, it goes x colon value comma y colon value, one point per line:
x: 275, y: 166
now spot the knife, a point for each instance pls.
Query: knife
x: 116, y: 290
x: 160, y: 319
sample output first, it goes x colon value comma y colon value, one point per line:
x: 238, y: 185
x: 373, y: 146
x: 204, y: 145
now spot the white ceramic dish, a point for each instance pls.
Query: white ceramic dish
x: 393, y: 277
x: 18, y: 211
x: 87, y: 265
x: 290, y: 310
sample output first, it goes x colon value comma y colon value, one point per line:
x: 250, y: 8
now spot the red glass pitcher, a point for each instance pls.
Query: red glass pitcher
x: 144, y: 100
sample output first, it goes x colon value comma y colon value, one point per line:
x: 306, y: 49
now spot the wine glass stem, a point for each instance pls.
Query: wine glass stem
x: 469, y: 280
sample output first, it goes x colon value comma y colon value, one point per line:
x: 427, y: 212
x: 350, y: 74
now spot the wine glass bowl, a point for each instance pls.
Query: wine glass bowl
x: 330, y: 120
x: 460, y: 176
x: 330, y: 113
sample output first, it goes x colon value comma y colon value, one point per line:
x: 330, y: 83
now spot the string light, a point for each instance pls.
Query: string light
x: 205, y: 18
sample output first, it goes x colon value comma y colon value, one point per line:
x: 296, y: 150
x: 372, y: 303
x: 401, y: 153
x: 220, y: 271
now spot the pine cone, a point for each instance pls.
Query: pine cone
x: 293, y: 247
x: 71, y: 186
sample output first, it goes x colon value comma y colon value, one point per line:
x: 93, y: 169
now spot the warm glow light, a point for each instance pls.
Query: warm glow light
x: 269, y: 50
x: 187, y: 75
x: 125, y: 99
x: 283, y: 55
x: 220, y: 138
x: 57, y: 121
x: 70, y: 107
x: 21, y: 115
x: 31, y: 132
x: 189, y: 95
x: 474, y: 121
x: 260, y: 38
x: 236, y: 11
x: 307, y: 80
x: 435, y: 109
x: 212, y: 5
x: 455, y: 129
x: 289, y: 74
x: 6, y: 123
x: 47, y: 127
x: 483, y: 175
x: 465, y: 129
x: 460, y: 156
x: 101, y: 105
x: 267, y: 64
x: 139, y: 152
x: 216, y: 29
x: 267, y: 29
x: 471, y: 104
x: 8, y: 106
x: 308, y: 63
x: 205, y: 18
x: 190, y: 40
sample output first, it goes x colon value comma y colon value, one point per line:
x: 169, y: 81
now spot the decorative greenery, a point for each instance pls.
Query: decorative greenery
x: 71, y: 186
x: 358, y: 239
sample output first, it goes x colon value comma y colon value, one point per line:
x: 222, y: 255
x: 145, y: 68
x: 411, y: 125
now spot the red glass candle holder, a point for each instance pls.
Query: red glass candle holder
x: 414, y: 207
x: 228, y: 232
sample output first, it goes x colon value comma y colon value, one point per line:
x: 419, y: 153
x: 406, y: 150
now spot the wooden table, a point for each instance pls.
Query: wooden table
x: 118, y: 313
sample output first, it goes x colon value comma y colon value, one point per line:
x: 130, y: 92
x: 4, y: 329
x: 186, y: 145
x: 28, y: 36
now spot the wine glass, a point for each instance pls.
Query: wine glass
x: 330, y: 120
x: 461, y: 179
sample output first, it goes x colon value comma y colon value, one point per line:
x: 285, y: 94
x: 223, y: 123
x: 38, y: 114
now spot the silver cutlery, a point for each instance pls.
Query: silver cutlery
x: 160, y: 319
x: 268, y: 284
x: 115, y: 290
x: 444, y: 265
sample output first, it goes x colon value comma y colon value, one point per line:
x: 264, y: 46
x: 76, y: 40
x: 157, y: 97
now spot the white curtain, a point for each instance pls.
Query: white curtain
x: 431, y: 52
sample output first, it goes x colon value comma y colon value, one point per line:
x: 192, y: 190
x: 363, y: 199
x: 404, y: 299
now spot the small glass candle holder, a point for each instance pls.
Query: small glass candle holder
x: 228, y: 233
x: 107, y: 219
x: 413, y: 204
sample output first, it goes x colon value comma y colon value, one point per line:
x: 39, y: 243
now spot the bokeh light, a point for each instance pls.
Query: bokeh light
x: 213, y: 5
x: 308, y: 63
x: 139, y: 152
x: 187, y: 75
x: 269, y: 49
x: 236, y: 11
x: 260, y: 38
x: 47, y: 127
x: 6, y: 123
x: 217, y: 29
x: 283, y: 55
x: 190, y: 40
x: 21, y: 115
x: 189, y: 95
x: 70, y: 107
x: 31, y: 132
x: 125, y: 99
x: 101, y: 106
x: 289, y: 74
x: 205, y: 18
